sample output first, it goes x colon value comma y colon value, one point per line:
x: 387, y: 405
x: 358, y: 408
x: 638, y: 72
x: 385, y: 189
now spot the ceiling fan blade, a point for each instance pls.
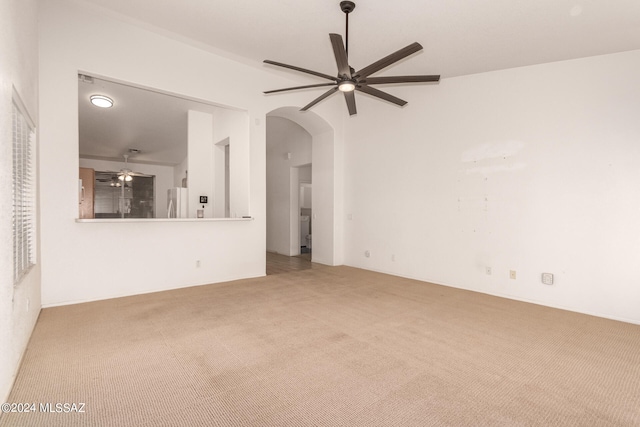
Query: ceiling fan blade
x: 302, y: 70
x: 390, y: 59
x: 400, y: 79
x: 380, y: 94
x: 341, y: 55
x: 320, y: 98
x: 351, y: 102
x: 300, y: 87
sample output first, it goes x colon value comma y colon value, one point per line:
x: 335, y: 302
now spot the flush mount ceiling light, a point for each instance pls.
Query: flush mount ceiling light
x: 101, y: 101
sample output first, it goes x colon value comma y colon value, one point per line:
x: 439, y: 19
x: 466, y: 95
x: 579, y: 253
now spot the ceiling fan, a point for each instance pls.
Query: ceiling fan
x: 348, y: 80
x: 124, y: 175
x: 110, y: 178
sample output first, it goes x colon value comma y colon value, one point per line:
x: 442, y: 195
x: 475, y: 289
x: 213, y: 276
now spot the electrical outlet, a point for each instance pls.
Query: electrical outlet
x: 393, y: 257
x: 547, y: 278
x: 512, y: 274
x: 487, y: 270
x: 197, y: 263
x: 367, y: 254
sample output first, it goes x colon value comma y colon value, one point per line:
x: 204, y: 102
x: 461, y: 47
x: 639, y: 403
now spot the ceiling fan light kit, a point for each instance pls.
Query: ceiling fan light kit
x: 348, y: 80
x: 125, y: 176
x: 347, y: 86
x: 125, y: 173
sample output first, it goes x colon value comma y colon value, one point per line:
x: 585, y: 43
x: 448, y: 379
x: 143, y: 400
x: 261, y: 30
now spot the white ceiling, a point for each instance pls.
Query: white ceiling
x: 152, y: 122
x: 459, y: 36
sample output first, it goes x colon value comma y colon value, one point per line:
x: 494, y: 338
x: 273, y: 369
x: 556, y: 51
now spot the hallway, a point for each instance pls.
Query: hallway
x: 277, y: 263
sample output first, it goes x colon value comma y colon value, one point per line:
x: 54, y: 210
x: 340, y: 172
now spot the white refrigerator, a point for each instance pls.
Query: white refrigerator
x: 177, y: 202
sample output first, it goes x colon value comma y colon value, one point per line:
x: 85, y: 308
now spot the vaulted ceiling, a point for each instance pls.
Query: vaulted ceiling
x: 459, y: 36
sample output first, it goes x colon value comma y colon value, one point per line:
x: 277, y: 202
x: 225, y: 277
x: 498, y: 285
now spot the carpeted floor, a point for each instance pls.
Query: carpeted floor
x: 327, y: 346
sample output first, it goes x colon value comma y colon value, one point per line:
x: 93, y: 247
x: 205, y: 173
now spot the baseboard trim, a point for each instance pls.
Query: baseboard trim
x: 150, y: 291
x: 511, y: 297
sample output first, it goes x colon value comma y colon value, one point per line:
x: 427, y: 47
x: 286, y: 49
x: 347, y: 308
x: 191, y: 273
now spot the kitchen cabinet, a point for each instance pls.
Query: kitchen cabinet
x: 86, y: 195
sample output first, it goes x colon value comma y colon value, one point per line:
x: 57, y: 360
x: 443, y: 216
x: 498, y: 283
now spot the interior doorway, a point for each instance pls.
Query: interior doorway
x: 305, y: 204
x: 300, y: 186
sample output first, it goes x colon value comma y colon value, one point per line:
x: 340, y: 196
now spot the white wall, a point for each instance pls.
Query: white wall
x: 180, y: 172
x: 231, y: 127
x: 76, y: 38
x: 305, y: 176
x: 284, y: 136
x: 164, y: 178
x: 207, y: 135
x: 19, y: 306
x: 200, y: 155
x: 532, y: 169
x: 327, y: 189
x: 220, y: 159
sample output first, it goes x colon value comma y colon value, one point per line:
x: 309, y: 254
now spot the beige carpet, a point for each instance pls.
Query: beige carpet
x: 328, y: 346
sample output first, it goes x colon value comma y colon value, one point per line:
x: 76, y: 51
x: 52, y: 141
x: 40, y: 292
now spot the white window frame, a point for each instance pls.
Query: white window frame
x: 23, y: 190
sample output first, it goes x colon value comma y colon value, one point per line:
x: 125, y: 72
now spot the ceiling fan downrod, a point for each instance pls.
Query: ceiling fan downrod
x: 347, y: 7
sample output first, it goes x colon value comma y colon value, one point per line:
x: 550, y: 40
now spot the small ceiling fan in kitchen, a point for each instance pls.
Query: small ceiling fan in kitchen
x: 349, y: 80
x: 110, y: 178
x: 127, y: 174
x: 124, y: 175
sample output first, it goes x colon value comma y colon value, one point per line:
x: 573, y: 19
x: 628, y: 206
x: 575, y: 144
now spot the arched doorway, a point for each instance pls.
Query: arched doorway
x: 323, y: 171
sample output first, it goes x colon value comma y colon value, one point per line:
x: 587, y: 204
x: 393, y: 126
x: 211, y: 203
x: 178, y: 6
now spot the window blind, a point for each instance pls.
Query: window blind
x: 24, y: 196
